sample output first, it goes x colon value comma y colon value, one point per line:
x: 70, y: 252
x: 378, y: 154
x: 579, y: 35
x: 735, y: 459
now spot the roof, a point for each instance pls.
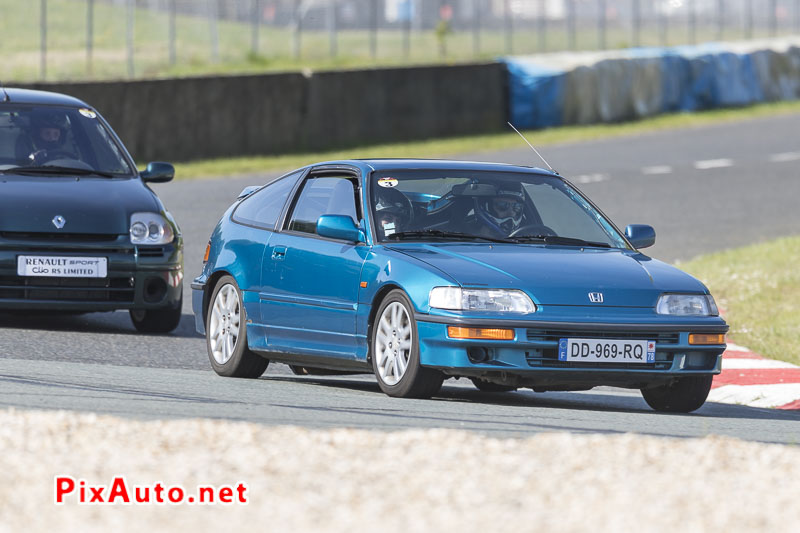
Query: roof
x: 28, y: 96
x: 443, y: 164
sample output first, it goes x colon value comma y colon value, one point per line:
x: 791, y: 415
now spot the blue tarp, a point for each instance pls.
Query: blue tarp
x: 692, y: 78
x: 536, y: 94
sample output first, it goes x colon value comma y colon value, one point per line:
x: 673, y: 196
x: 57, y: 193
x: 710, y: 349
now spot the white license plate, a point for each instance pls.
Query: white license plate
x: 606, y: 351
x: 61, y: 266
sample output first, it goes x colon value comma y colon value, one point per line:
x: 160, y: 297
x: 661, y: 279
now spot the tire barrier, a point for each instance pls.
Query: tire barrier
x: 591, y: 87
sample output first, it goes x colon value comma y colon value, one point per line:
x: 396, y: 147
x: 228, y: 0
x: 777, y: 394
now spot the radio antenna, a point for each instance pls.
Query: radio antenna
x: 5, y: 94
x: 532, y: 148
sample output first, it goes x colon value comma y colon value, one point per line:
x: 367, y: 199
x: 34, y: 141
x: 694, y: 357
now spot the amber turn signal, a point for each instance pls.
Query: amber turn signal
x: 208, y: 250
x: 703, y: 338
x: 458, y: 332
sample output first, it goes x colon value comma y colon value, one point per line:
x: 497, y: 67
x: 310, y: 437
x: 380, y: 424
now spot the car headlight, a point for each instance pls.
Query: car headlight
x: 687, y: 305
x: 500, y: 300
x: 150, y: 228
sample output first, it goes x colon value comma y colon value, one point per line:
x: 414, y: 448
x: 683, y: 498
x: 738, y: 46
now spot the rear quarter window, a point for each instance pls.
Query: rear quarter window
x: 262, y: 208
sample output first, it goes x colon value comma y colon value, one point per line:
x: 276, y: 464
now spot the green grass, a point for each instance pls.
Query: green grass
x: 481, y: 143
x: 759, y: 289
x: 67, y: 32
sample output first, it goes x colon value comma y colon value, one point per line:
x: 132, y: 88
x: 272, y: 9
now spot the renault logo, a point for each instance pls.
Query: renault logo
x: 596, y: 297
x: 59, y: 221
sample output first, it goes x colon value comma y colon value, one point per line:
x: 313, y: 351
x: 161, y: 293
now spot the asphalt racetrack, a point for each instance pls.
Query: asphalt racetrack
x: 703, y: 189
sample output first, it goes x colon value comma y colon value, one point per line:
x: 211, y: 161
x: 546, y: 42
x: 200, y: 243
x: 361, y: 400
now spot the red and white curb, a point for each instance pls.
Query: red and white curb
x: 750, y: 379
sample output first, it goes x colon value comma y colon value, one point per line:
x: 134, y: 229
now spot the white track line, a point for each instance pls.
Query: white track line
x: 756, y: 395
x: 749, y: 364
x: 785, y: 157
x: 656, y: 170
x: 713, y: 163
x: 591, y: 178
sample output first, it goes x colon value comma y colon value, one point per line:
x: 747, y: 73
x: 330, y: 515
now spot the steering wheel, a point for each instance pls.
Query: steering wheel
x: 397, y: 198
x: 44, y: 155
x: 409, y: 207
x: 528, y: 229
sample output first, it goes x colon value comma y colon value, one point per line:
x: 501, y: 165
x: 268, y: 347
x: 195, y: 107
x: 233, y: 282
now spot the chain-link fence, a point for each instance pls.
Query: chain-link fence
x: 57, y: 39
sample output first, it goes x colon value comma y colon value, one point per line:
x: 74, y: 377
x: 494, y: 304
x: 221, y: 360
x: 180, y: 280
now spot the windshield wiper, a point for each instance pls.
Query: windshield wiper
x: 56, y: 170
x: 444, y: 234
x: 556, y: 239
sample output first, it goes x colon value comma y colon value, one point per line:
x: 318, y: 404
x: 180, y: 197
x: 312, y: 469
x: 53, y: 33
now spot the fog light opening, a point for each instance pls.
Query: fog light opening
x: 477, y: 354
x: 154, y: 290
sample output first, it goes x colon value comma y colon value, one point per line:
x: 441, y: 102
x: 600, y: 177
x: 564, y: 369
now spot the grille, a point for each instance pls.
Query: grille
x: 549, y: 335
x: 152, y: 251
x: 59, y: 237
x: 547, y: 357
x: 118, y: 289
x: 72, y: 249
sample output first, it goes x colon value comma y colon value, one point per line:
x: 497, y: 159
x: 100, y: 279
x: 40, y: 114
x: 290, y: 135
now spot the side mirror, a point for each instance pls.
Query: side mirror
x: 341, y: 227
x: 158, y: 172
x: 640, y: 235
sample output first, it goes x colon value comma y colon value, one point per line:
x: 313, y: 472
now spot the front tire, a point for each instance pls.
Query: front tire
x: 684, y: 395
x: 161, y: 320
x: 226, y: 337
x: 394, y: 345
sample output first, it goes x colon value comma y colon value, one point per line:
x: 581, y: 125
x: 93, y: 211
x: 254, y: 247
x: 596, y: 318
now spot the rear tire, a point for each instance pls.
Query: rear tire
x: 226, y: 335
x: 488, y: 386
x: 161, y: 320
x: 684, y: 395
x: 394, y: 345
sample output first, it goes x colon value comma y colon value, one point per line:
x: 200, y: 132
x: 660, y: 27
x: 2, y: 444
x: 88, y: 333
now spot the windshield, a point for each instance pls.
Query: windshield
x: 60, y: 137
x: 485, y: 206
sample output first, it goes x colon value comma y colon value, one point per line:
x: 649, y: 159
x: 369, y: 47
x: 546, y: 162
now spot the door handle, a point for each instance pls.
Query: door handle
x: 279, y: 253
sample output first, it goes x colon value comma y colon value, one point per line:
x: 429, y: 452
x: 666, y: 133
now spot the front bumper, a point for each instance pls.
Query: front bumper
x: 139, y: 277
x: 531, y: 358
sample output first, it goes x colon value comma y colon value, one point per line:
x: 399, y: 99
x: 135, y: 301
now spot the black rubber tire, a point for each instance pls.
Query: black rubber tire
x: 243, y: 363
x: 684, y: 395
x: 161, y: 320
x: 417, y: 381
x: 488, y: 386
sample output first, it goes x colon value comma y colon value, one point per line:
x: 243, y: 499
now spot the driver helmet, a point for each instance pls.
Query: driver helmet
x: 48, y: 130
x: 504, y: 212
x: 391, y: 211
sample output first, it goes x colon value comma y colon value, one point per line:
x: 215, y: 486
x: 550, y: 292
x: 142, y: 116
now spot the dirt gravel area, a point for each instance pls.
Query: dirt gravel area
x: 427, y: 480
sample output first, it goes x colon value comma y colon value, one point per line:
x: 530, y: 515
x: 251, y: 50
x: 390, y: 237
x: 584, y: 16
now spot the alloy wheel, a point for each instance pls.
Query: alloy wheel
x: 393, y: 343
x: 224, y: 324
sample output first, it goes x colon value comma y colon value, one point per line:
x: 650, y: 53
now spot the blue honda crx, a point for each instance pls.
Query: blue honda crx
x: 422, y: 270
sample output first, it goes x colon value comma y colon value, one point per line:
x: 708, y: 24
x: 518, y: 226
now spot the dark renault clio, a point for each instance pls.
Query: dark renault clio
x: 80, y: 230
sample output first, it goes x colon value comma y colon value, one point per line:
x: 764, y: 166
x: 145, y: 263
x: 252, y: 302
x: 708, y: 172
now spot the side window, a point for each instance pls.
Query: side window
x: 323, y: 196
x: 263, y: 208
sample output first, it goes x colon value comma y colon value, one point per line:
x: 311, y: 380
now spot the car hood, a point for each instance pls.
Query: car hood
x: 557, y: 275
x: 88, y: 204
